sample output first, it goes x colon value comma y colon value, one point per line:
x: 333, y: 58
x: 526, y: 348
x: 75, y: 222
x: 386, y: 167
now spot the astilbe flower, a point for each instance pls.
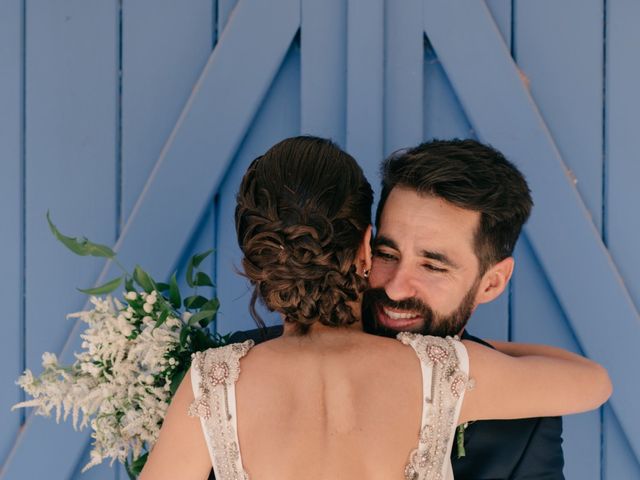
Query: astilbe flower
x: 119, y: 383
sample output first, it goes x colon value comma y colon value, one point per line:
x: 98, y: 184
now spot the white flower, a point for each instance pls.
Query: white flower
x: 152, y: 298
x: 49, y: 360
x: 111, y: 387
x: 148, y: 307
x: 186, y: 316
x: 131, y: 295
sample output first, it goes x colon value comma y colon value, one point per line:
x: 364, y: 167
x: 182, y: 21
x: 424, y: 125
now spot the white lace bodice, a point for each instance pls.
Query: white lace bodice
x: 445, y: 368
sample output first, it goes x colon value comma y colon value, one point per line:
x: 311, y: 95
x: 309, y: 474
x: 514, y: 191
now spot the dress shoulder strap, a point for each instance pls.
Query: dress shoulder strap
x: 214, y: 373
x: 445, y: 377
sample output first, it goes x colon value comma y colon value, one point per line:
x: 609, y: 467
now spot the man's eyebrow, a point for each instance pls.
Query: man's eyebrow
x: 382, y: 241
x: 438, y: 257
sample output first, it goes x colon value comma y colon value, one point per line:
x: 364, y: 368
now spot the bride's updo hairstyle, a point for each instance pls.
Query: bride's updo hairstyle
x: 301, y: 215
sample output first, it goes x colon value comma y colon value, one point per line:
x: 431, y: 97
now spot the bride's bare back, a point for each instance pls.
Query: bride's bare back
x: 335, y: 406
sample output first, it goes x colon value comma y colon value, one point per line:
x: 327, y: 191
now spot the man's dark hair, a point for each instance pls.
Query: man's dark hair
x: 469, y: 175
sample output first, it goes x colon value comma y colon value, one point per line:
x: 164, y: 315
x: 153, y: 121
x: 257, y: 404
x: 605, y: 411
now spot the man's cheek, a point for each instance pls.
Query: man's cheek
x: 380, y: 274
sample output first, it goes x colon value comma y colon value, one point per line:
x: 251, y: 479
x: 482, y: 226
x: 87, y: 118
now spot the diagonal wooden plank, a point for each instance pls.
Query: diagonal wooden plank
x: 192, y: 164
x: 578, y: 265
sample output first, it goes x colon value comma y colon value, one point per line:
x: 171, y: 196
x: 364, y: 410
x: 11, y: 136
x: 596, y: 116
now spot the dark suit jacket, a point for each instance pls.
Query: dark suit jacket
x: 528, y: 449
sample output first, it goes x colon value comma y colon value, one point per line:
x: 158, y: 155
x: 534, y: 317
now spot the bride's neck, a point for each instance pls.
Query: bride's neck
x: 319, y: 330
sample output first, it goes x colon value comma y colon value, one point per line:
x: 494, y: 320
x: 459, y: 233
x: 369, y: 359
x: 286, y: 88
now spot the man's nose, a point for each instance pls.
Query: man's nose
x: 400, y: 285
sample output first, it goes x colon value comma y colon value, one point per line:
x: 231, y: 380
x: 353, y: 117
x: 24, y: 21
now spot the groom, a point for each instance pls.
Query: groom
x: 449, y: 216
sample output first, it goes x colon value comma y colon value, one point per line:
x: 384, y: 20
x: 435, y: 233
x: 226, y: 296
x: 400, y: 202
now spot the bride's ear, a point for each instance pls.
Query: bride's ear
x: 363, y: 257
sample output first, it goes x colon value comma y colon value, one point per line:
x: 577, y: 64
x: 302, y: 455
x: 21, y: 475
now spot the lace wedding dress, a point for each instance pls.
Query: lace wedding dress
x: 445, y: 368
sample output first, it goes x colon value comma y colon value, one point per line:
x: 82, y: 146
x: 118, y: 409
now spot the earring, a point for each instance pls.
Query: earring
x: 365, y: 273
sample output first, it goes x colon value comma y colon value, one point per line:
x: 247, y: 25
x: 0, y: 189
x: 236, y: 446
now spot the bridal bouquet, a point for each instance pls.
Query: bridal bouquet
x: 135, y: 352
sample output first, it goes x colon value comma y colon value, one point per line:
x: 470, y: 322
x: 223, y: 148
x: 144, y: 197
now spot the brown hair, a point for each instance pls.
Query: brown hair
x: 469, y: 175
x: 301, y: 215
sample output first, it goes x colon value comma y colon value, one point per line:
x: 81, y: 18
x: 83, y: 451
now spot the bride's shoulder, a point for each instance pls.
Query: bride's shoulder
x: 417, y: 339
x: 433, y: 349
x: 220, y: 364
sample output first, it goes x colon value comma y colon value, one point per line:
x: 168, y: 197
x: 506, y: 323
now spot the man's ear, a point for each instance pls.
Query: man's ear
x: 495, y: 280
x: 363, y: 257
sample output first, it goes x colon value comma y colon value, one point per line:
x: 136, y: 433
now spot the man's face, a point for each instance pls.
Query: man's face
x: 425, y: 274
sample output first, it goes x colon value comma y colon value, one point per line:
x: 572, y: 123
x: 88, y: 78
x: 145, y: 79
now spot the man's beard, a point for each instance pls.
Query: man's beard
x: 433, y: 323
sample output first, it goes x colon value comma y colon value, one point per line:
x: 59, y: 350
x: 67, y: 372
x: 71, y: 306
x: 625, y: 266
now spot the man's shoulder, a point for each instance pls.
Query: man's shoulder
x: 258, y: 335
x: 467, y: 336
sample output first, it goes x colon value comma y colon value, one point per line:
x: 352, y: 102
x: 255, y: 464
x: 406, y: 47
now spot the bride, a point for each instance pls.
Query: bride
x: 326, y: 400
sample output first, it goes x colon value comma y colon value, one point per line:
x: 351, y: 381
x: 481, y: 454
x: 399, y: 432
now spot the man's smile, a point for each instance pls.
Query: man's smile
x: 398, y: 320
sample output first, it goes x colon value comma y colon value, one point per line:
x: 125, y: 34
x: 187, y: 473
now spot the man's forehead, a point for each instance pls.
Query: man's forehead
x: 427, y: 223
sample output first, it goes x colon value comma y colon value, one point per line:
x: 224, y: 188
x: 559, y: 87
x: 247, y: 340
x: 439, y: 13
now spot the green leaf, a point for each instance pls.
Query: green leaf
x: 201, y: 340
x: 162, y: 318
x: 188, y: 276
x: 162, y: 287
x: 194, y: 301
x: 174, y: 292
x: 197, y: 259
x: 128, y: 285
x: 184, y: 333
x: 176, y: 381
x: 143, y: 279
x: 102, y: 289
x: 203, y: 280
x: 213, y: 304
x: 80, y: 246
x: 135, y: 467
x: 203, y: 315
x: 194, y: 262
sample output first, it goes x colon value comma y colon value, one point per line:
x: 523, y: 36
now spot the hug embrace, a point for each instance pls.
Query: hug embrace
x: 372, y: 374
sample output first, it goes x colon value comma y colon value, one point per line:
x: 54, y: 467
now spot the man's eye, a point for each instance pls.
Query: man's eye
x: 433, y: 268
x: 383, y: 255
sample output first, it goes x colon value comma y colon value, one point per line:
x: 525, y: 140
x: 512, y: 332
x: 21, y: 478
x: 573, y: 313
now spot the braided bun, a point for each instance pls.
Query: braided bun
x: 302, y: 212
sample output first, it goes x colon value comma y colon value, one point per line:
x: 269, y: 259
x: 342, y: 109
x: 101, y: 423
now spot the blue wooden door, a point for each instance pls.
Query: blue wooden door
x: 133, y: 122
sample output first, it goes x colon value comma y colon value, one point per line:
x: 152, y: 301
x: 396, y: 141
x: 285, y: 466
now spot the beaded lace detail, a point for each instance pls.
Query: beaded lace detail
x: 215, y: 373
x: 441, y: 405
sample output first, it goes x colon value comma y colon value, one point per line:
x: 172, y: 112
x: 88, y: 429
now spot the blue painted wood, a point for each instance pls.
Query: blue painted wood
x: 99, y: 472
x: 323, y: 68
x: 564, y: 68
x: 562, y: 234
x: 71, y: 74
x: 11, y: 238
x: 623, y: 168
x: 365, y: 84
x: 403, y: 74
x: 619, y: 459
x: 210, y: 128
x: 225, y: 9
x: 279, y: 117
x: 443, y: 114
x: 622, y: 226
x: 501, y: 11
x: 538, y: 318
x: 158, y: 73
